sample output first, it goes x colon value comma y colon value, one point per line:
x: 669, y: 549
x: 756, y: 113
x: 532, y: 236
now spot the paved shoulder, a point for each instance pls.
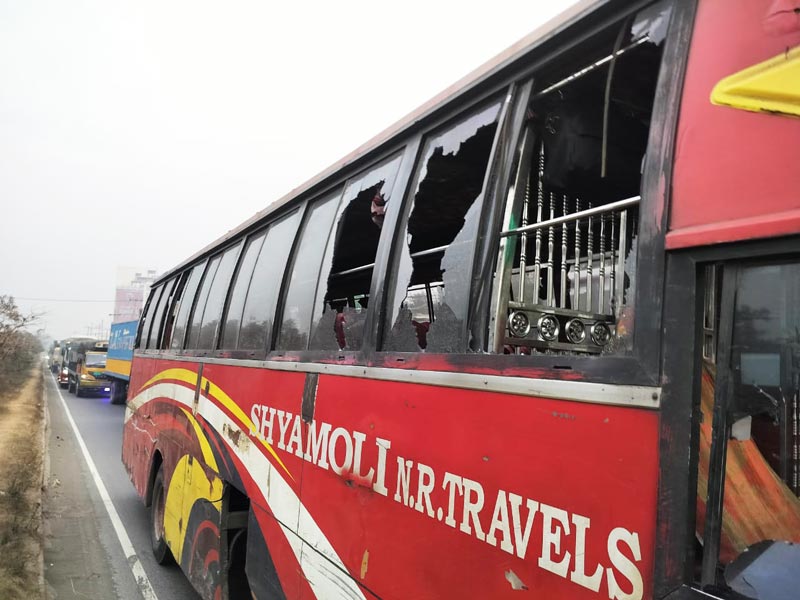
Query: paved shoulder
x: 76, y: 563
x: 98, y: 543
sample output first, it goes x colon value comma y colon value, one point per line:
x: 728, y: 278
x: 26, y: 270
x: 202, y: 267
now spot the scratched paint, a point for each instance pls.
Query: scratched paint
x: 405, y: 480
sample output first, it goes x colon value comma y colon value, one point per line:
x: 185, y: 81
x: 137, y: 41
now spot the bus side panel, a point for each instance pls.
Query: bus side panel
x: 438, y: 492
x: 412, y: 490
x: 735, y: 174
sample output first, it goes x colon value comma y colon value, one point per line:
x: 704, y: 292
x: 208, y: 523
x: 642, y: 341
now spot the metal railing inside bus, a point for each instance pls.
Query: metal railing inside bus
x: 566, y: 296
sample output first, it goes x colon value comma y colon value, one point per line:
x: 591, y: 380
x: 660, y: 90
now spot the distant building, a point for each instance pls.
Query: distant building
x: 132, y: 286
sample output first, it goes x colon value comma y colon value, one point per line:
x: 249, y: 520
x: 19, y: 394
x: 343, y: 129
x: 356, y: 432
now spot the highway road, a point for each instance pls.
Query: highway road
x: 97, y: 542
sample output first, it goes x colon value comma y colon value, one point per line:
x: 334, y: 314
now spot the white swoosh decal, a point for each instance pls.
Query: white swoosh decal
x: 278, y: 494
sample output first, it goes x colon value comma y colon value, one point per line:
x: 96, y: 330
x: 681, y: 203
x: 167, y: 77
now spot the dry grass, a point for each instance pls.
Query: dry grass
x: 21, y: 424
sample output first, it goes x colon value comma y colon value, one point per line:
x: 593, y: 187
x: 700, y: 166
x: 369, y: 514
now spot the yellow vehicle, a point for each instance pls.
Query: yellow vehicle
x: 87, y: 365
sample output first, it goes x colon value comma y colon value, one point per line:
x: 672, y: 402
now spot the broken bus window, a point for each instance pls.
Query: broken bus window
x: 567, y: 262
x: 346, y: 274
x: 429, y: 307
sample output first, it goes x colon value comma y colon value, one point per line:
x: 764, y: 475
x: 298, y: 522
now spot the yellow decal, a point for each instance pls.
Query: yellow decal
x: 188, y: 484
x: 184, y: 375
x: 190, y: 378
x: 772, y: 86
x: 205, y: 447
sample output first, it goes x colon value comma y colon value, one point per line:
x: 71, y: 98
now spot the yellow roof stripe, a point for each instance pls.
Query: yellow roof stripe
x: 772, y: 86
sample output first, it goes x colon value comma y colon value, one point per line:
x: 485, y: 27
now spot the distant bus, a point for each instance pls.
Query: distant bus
x: 539, y: 339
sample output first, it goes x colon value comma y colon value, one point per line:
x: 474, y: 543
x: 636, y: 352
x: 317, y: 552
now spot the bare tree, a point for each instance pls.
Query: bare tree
x: 18, y: 347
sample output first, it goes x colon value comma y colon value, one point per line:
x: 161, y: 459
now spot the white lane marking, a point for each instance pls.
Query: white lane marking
x: 127, y: 547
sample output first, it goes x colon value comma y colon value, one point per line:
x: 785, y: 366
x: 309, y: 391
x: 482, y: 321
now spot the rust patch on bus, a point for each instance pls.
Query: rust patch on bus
x: 364, y: 564
x: 236, y: 436
x: 309, y: 397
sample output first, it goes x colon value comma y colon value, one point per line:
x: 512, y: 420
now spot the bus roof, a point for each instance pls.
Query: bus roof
x: 493, y: 69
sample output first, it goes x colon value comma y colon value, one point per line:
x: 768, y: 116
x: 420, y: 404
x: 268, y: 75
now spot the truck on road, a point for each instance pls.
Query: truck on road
x: 120, y: 355
x: 59, y: 357
x: 86, y: 363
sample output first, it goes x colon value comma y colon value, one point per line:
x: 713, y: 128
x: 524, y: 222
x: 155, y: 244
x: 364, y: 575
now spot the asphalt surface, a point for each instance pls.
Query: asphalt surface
x: 84, y: 557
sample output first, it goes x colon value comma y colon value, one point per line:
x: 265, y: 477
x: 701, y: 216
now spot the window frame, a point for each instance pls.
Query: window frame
x: 679, y: 447
x: 168, y: 290
x: 203, y: 266
x: 264, y: 227
x: 333, y: 195
x: 189, y: 322
x: 642, y: 365
x: 401, y: 155
x: 146, y: 318
x: 247, y: 240
x: 181, y: 279
x: 240, y: 242
x: 407, y: 148
x: 503, y: 98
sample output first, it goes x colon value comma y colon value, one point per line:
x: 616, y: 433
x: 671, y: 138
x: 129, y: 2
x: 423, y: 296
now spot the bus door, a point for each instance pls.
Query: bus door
x: 748, y: 511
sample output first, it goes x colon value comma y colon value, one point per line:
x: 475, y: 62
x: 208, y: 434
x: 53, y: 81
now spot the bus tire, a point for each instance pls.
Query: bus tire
x: 119, y: 392
x: 78, y: 390
x: 161, y: 551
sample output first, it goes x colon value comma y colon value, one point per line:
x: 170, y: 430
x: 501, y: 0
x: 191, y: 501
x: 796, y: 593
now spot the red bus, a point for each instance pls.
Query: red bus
x: 539, y: 339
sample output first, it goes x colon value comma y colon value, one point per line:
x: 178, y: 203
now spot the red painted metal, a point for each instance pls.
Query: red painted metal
x: 735, y: 173
x: 589, y: 468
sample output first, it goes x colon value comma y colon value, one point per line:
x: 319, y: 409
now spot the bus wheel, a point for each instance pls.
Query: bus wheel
x: 118, y: 392
x: 78, y: 391
x: 161, y: 551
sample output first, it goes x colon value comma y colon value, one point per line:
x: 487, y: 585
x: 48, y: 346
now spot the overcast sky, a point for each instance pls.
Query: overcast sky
x: 135, y: 133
